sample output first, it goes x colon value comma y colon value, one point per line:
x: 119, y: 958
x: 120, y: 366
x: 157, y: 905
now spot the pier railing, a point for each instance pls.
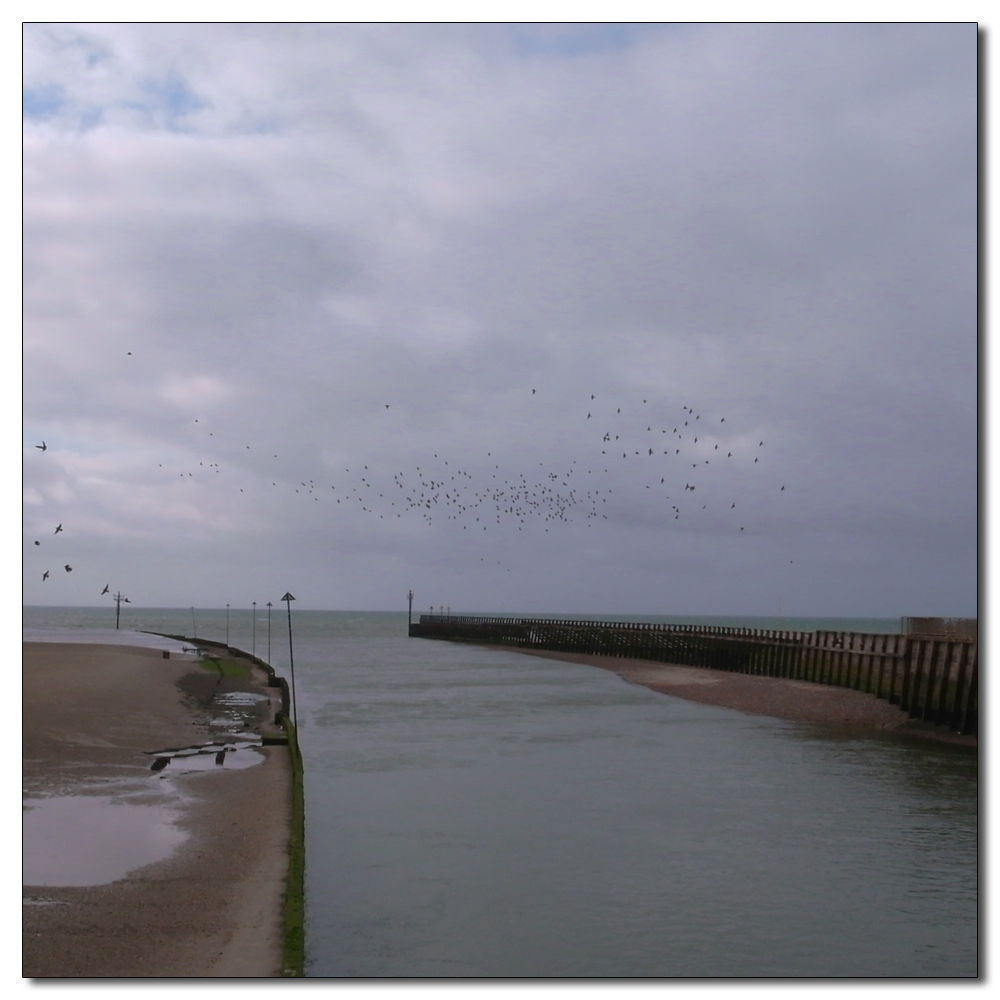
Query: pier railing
x: 932, y: 679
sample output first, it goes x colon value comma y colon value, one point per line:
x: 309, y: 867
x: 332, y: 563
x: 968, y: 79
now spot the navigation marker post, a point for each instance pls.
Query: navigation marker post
x: 227, y: 624
x: 409, y: 613
x: 118, y: 607
x: 291, y: 657
x: 253, y: 626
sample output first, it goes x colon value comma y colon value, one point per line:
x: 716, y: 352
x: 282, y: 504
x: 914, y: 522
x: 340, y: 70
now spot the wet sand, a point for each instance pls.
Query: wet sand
x: 778, y: 697
x: 212, y: 908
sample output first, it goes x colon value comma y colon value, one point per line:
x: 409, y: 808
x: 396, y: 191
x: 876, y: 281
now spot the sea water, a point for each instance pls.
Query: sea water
x: 481, y: 813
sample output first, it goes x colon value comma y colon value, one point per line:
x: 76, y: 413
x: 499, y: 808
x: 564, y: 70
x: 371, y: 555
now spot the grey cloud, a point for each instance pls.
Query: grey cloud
x: 775, y: 224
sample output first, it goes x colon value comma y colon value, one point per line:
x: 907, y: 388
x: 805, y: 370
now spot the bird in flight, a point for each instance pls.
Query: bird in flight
x: 107, y: 587
x: 68, y: 568
x: 42, y: 447
x: 58, y: 529
x: 45, y: 576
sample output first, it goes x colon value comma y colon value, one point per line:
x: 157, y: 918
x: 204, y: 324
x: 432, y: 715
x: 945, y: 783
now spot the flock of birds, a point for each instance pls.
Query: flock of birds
x: 672, y: 456
x: 478, y: 492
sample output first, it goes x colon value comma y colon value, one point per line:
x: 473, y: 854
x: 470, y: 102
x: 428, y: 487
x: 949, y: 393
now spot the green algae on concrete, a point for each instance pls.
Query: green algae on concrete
x: 293, y: 951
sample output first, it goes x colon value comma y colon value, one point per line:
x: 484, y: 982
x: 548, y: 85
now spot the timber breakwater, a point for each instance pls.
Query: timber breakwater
x: 930, y: 674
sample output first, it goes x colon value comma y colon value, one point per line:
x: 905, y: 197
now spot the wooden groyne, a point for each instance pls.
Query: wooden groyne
x: 934, y: 679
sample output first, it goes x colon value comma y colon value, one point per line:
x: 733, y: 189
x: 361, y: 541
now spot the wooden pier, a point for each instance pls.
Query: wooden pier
x: 933, y: 678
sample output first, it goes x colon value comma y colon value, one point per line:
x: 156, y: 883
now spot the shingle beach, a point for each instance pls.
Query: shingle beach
x: 781, y: 698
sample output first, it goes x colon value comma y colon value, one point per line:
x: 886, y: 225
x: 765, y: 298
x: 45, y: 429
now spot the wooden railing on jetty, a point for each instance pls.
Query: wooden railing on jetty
x: 933, y: 679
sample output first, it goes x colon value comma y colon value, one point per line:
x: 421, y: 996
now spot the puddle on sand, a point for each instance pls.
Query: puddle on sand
x: 233, y: 698
x: 238, y: 709
x: 94, y: 839
x: 207, y: 757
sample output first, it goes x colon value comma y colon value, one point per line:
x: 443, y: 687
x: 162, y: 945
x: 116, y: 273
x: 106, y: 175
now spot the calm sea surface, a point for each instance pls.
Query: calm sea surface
x: 477, y: 813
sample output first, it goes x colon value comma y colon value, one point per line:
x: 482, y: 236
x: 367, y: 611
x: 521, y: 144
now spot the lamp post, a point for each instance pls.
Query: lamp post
x: 268, y: 631
x: 291, y: 657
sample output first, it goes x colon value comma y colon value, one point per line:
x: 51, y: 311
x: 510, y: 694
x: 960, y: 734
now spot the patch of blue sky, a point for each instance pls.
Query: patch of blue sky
x: 578, y: 39
x: 43, y: 102
x: 90, y: 118
x: 167, y: 99
x: 249, y: 123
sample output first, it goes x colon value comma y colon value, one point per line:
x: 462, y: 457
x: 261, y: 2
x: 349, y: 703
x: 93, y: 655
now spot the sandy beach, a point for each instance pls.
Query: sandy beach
x: 781, y: 698
x: 209, y: 832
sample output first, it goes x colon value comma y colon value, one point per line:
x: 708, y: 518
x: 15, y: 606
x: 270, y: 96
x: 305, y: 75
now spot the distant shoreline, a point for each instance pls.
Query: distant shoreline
x: 877, y: 623
x: 777, y: 697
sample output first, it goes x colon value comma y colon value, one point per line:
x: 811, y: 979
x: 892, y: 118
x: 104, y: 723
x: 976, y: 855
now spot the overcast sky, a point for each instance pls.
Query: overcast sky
x: 274, y: 267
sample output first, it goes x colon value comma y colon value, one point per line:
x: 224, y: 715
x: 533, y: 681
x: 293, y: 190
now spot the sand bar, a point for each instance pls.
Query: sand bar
x: 210, y: 904
x: 781, y: 698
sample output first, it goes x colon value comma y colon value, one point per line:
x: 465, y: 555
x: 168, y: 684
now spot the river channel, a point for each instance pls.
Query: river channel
x: 479, y: 813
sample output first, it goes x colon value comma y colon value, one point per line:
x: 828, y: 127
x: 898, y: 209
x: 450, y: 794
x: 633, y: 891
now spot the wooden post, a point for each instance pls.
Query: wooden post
x: 970, y: 718
x: 909, y: 672
x: 957, y: 716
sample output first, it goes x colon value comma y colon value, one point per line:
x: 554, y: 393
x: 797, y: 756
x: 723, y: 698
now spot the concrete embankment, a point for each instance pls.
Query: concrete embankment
x: 159, y: 820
